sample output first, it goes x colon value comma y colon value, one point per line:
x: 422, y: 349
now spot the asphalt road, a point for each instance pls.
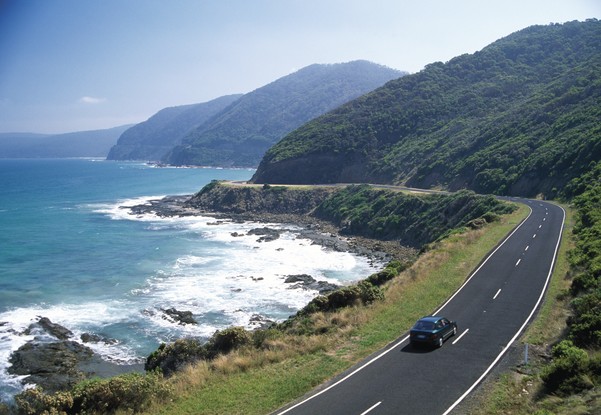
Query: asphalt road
x: 491, y: 309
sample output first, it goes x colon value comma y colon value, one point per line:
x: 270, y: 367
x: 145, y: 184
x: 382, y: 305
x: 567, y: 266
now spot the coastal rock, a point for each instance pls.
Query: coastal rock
x: 53, y: 366
x: 268, y: 234
x: 45, y: 325
x: 259, y: 322
x: 307, y: 282
x: 94, y: 338
x: 165, y: 207
x: 180, y: 317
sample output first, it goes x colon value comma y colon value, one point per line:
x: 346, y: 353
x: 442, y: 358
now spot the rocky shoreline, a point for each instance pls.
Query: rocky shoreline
x: 318, y: 231
x: 55, y: 360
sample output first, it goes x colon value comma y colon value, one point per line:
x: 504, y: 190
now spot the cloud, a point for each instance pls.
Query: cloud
x: 91, y: 100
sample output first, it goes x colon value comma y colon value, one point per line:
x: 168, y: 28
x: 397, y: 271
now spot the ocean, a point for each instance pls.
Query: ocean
x: 70, y: 250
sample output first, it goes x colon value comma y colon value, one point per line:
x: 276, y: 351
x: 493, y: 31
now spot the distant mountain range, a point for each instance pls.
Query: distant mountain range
x: 238, y: 130
x: 152, y: 139
x: 520, y: 117
x: 95, y: 143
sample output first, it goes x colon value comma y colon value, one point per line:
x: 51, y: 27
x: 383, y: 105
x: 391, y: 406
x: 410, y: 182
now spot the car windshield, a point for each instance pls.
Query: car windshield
x: 424, y: 325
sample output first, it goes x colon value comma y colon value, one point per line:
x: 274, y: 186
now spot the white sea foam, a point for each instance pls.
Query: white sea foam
x: 243, y: 277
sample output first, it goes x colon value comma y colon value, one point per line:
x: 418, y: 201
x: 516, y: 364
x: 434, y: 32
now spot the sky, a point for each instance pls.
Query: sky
x: 76, y: 65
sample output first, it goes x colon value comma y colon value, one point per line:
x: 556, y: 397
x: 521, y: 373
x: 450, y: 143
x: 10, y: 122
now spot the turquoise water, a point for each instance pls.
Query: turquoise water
x: 71, y: 251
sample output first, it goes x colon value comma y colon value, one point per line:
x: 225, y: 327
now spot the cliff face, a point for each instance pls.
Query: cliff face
x: 258, y: 200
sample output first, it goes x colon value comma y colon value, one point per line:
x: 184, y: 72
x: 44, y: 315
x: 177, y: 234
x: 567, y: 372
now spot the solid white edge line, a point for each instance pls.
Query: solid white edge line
x: 460, y: 336
x: 372, y: 408
x: 517, y: 334
x: 497, y: 294
x: 406, y: 337
x: 347, y: 376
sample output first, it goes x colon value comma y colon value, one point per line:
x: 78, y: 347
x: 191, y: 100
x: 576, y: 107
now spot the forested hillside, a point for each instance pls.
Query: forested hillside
x: 240, y: 134
x: 152, y: 139
x: 522, y: 117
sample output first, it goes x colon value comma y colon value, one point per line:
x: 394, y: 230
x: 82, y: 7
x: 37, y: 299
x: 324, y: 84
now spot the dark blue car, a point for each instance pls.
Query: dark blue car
x: 432, y: 330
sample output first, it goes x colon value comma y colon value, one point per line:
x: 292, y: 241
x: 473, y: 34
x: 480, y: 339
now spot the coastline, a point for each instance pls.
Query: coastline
x: 320, y: 232
x: 84, y: 364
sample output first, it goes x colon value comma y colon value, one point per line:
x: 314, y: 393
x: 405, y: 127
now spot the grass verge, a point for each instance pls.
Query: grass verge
x: 247, y: 383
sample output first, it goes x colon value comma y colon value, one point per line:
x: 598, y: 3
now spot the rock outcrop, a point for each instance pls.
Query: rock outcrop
x: 307, y: 282
x: 51, y: 360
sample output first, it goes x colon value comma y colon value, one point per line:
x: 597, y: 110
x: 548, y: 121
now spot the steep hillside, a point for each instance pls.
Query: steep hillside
x: 95, y: 143
x: 522, y: 116
x: 155, y: 137
x: 240, y: 135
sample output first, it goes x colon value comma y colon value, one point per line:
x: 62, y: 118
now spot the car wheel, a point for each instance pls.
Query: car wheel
x: 440, y: 342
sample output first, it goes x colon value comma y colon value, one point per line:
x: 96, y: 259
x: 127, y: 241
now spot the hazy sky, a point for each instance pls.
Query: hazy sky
x: 73, y: 65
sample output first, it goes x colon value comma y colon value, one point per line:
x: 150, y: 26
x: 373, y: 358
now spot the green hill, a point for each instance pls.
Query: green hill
x: 241, y: 134
x: 155, y: 137
x: 522, y: 117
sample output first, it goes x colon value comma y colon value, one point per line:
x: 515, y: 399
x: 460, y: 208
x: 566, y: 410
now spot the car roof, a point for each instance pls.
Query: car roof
x: 433, y: 319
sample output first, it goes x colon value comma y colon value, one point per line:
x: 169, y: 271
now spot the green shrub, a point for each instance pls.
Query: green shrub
x: 170, y: 357
x: 363, y: 293
x: 259, y: 337
x: 131, y: 392
x: 568, y: 373
x: 585, y: 324
x: 35, y: 401
x: 343, y: 297
x: 392, y: 269
x: 227, y: 340
x: 370, y: 293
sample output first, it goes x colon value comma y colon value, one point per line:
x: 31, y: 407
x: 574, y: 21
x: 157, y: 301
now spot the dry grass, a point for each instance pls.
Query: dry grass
x: 191, y: 377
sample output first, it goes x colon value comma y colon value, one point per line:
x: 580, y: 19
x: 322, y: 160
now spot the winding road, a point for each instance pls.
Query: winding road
x: 492, y: 308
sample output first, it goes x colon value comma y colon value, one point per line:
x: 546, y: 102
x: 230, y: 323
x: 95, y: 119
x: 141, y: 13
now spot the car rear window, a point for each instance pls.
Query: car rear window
x: 424, y: 325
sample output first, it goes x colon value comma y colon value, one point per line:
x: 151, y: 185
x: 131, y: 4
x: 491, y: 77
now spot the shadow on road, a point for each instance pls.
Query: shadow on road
x: 418, y: 349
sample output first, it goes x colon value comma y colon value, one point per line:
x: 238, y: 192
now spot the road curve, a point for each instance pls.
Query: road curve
x: 492, y: 309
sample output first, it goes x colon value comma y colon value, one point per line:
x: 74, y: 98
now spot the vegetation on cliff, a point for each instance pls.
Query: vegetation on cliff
x: 217, y: 197
x: 576, y: 364
x: 520, y: 117
x: 413, y: 220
